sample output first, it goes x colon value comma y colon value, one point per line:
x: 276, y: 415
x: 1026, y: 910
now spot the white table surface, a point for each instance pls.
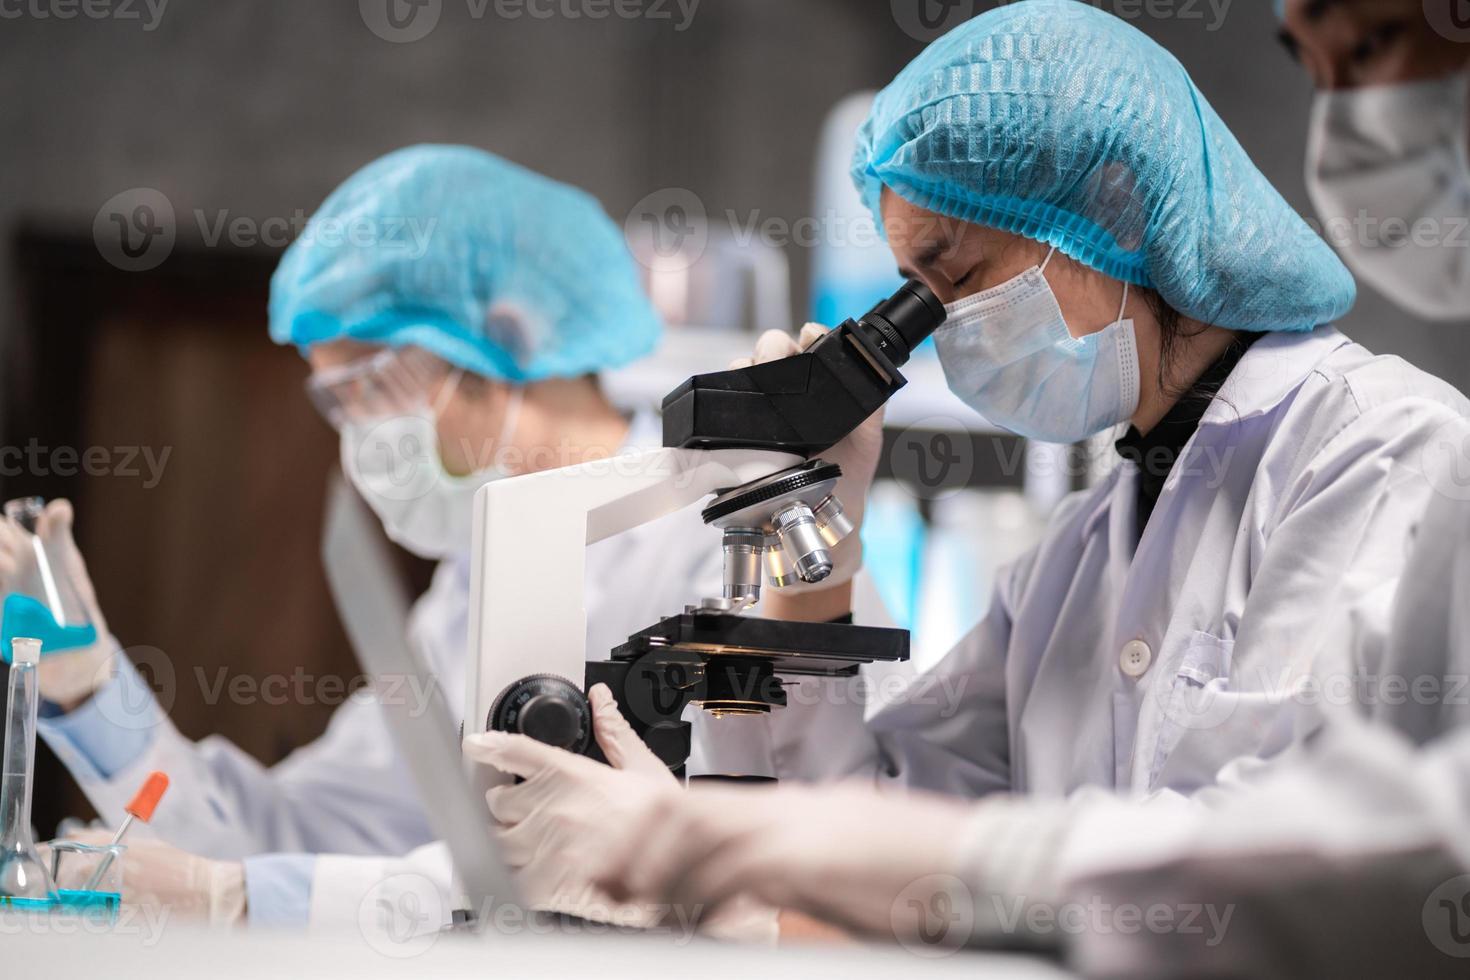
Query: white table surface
x: 178, y: 950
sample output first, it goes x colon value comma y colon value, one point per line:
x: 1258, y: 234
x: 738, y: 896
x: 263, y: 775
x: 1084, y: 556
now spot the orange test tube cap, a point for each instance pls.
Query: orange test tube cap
x: 146, y: 800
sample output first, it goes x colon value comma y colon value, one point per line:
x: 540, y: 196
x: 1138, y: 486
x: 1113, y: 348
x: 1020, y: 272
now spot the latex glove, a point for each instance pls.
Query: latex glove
x: 857, y: 455
x: 186, y: 885
x: 68, y: 677
x: 555, y: 824
x: 845, y: 854
x: 552, y: 823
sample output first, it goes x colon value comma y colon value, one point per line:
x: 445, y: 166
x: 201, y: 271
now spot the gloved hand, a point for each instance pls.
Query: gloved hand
x: 67, y: 677
x: 188, y: 886
x: 857, y: 455
x: 846, y: 854
x: 556, y: 822
x: 552, y: 824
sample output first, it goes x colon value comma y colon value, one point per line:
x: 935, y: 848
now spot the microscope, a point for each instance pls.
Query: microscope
x: 749, y: 439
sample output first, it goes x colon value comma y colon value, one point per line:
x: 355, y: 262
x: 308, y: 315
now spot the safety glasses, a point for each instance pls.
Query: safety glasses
x: 397, y: 381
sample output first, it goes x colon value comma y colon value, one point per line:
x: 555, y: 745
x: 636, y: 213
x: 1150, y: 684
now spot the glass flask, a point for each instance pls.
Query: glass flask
x: 43, y: 601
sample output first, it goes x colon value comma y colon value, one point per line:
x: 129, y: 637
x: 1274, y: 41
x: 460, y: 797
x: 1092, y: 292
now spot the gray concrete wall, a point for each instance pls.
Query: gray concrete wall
x: 259, y: 107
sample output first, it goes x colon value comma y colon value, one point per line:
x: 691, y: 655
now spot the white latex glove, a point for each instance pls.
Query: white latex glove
x: 69, y: 677
x: 857, y: 455
x: 552, y: 823
x: 846, y: 853
x: 186, y: 885
x: 555, y: 824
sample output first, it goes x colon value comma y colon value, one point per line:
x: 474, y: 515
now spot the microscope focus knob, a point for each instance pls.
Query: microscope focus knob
x: 545, y: 707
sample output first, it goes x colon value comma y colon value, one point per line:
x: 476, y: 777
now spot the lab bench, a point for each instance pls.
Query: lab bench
x: 176, y: 950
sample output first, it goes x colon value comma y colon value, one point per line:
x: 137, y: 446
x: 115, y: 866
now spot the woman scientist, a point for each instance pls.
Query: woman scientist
x: 444, y: 362
x: 1108, y: 254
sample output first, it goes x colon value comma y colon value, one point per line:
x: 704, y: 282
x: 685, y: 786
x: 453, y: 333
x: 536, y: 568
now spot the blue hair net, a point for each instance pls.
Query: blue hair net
x: 492, y: 267
x: 1056, y: 121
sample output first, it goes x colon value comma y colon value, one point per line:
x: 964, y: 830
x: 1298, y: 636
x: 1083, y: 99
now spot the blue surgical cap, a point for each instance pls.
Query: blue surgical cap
x: 492, y: 267
x: 1056, y: 121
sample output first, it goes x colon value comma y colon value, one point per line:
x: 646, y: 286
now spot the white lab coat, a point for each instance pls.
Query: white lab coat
x: 349, y: 792
x: 1349, y: 855
x: 1148, y: 665
x: 1353, y: 861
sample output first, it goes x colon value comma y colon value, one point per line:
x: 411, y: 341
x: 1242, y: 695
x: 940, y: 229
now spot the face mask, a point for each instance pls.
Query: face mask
x: 1387, y: 173
x: 395, y: 465
x: 1007, y: 353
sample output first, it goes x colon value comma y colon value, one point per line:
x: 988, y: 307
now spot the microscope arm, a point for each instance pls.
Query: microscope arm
x: 529, y: 546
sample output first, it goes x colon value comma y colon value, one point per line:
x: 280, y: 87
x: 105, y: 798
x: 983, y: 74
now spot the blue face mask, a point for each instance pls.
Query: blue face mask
x: 1007, y: 353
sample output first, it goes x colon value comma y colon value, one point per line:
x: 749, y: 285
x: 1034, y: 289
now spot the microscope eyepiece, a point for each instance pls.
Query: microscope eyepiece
x: 808, y: 402
x: 901, y: 322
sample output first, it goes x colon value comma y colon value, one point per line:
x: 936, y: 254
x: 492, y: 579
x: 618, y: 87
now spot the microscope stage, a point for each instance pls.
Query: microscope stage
x: 817, y: 649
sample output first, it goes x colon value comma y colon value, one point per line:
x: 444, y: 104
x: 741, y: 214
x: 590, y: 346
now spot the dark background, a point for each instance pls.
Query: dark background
x: 256, y: 109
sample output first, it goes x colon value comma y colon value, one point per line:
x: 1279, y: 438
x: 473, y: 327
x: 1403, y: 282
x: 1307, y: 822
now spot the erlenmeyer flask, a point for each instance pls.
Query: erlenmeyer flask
x: 24, y: 880
x: 43, y: 601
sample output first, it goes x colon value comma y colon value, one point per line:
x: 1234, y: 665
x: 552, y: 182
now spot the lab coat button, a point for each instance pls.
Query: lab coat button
x: 1135, y: 658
